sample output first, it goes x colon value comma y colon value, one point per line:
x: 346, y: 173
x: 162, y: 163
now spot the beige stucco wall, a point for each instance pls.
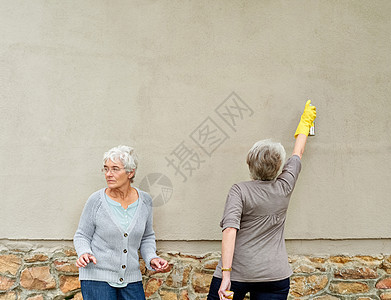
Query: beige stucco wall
x: 79, y: 77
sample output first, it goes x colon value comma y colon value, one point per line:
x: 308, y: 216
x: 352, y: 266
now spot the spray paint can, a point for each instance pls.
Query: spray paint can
x: 312, y: 129
x: 230, y: 296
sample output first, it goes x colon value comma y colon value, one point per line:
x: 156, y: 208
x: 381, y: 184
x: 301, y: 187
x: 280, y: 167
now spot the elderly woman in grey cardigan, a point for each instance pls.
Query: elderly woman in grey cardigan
x: 115, y: 223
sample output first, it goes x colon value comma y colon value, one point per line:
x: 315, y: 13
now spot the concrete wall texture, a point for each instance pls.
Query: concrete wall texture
x: 192, y: 85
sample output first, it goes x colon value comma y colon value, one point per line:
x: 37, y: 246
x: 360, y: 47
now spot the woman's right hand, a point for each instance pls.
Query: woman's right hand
x: 306, y: 120
x: 85, y: 259
x: 224, y: 287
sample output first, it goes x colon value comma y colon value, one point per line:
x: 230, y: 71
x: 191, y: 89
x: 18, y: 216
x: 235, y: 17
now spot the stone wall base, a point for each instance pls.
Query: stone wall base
x: 43, y: 274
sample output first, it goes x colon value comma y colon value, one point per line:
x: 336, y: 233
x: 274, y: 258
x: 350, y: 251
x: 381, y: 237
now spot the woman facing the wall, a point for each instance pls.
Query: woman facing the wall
x: 254, y: 258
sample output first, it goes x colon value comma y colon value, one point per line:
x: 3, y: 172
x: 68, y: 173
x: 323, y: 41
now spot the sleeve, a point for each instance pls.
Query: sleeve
x: 85, y: 231
x: 148, y: 240
x: 233, y: 209
x: 290, y: 174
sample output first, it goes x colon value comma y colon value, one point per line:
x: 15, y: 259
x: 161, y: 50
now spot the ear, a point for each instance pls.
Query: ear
x: 131, y: 174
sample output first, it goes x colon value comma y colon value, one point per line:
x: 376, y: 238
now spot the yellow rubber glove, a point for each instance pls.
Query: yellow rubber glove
x: 307, y: 119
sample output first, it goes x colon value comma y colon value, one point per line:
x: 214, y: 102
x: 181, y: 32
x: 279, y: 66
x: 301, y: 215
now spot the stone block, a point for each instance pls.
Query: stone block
x: 152, y: 286
x: 179, y: 276
x: 9, y: 296
x: 36, y: 258
x: 10, y: 264
x: 201, y: 282
x: 370, y: 259
x: 70, y: 252
x: 66, y: 266
x: 344, y: 288
x: 193, y: 257
x: 307, y: 285
x: 385, y: 296
x: 292, y: 258
x: 340, y: 259
x: 309, y: 265
x: 69, y: 283
x: 6, y: 283
x: 166, y: 295
x: 184, y: 295
x: 356, y: 273
x: 37, y: 278
x: 317, y: 260
x: 36, y: 297
x: 386, y: 265
x: 304, y: 269
x: 384, y: 284
x: 326, y: 297
x: 211, y: 265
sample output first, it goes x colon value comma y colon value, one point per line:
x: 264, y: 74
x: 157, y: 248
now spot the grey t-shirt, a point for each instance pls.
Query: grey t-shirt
x: 258, y: 210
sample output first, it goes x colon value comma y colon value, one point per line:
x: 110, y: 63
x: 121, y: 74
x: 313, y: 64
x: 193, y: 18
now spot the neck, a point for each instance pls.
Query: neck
x: 121, y: 192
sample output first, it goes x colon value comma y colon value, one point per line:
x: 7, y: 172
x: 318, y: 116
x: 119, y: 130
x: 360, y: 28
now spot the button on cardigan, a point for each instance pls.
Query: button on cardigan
x: 100, y: 234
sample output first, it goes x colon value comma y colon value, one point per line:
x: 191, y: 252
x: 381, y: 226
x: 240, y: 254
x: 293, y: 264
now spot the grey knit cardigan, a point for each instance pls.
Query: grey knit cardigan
x: 115, y: 250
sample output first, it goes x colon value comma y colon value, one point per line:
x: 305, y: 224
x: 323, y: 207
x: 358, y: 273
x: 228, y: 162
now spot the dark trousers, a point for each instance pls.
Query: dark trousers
x: 99, y: 290
x: 272, y: 290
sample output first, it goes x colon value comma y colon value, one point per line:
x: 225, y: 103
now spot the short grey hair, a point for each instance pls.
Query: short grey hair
x: 125, y: 155
x: 265, y: 160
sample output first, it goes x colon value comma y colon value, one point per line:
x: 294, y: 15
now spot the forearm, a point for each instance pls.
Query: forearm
x: 82, y: 244
x: 148, y: 243
x: 148, y: 252
x: 228, y: 248
x: 83, y: 237
x: 303, y: 129
x: 299, y: 147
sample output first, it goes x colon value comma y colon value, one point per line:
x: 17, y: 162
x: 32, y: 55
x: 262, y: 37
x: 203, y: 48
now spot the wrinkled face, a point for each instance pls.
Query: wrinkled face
x: 115, y: 174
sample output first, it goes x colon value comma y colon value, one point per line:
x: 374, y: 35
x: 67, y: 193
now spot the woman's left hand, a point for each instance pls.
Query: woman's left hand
x: 159, y: 264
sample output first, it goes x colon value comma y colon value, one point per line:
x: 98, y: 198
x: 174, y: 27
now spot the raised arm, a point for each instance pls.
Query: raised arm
x: 303, y: 129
